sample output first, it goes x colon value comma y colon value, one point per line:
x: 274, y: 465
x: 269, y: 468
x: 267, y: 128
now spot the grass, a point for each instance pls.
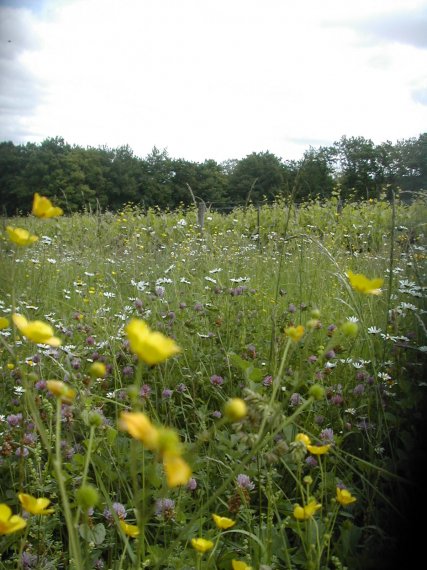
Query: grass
x: 226, y: 295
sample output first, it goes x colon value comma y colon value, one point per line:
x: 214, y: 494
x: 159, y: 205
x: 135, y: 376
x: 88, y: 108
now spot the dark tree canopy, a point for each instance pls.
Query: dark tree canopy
x: 91, y: 178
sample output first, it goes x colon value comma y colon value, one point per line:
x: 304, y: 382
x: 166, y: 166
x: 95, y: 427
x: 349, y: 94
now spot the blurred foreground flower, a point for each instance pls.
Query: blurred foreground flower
x: 43, y: 207
x: 201, y: 544
x: 139, y: 426
x: 4, y: 323
x: 306, y: 512
x: 235, y: 409
x: 362, y: 284
x: 164, y: 441
x: 21, y: 237
x: 10, y: 523
x: 344, y: 497
x: 36, y: 331
x: 61, y: 391
x: 178, y: 472
x: 150, y: 346
x: 35, y: 506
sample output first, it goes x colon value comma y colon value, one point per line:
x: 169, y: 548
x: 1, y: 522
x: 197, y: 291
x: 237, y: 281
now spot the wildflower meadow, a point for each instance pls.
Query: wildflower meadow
x: 243, y: 394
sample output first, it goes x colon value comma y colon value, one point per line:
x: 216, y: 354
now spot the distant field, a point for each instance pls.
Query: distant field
x: 263, y: 306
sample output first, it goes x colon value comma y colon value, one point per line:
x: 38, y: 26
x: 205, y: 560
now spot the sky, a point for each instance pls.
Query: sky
x: 212, y: 79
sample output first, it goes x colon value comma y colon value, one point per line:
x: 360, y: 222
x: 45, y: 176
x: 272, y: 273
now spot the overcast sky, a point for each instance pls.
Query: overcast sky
x: 212, y: 78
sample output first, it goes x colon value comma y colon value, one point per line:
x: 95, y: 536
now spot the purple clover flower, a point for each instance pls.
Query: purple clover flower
x: 216, y: 380
x: 327, y: 435
x: 118, y: 508
x: 165, y: 509
x: 192, y: 484
x: 267, y: 381
x: 243, y: 482
x: 295, y: 399
x: 145, y: 391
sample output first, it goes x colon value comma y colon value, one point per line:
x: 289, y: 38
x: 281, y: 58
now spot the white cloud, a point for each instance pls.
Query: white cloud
x: 219, y: 79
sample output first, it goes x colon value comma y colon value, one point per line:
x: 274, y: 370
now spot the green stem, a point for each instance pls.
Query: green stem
x: 76, y: 558
x: 85, y: 469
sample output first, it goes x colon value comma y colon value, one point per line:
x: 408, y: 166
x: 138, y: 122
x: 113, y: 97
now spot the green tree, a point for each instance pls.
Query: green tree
x: 259, y: 176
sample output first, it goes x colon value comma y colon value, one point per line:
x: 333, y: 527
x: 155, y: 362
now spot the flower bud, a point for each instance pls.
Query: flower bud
x: 235, y: 409
x: 317, y: 392
x: 87, y: 496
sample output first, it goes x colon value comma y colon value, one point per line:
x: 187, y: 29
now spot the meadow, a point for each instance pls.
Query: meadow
x: 244, y: 395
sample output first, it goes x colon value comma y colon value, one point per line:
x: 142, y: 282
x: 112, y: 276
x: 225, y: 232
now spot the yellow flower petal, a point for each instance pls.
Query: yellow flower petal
x: 295, y: 333
x: 362, y: 284
x: 10, y: 523
x: 36, y: 331
x: 4, y: 323
x: 178, y: 472
x: 129, y: 529
x: 20, y: 237
x: 344, y: 497
x: 304, y: 438
x: 151, y: 347
x: 306, y: 512
x: 318, y: 449
x: 35, y: 506
x: 223, y: 522
x: 139, y: 426
x: 43, y: 207
x: 201, y: 544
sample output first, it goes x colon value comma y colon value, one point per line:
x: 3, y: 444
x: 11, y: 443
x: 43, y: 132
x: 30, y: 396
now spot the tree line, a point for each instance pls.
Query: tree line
x: 80, y: 178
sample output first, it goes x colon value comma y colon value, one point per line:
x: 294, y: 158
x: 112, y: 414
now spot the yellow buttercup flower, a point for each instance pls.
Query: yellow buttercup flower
x: 10, y: 523
x: 303, y: 438
x: 129, y: 529
x: 201, y: 544
x: 4, y: 323
x: 223, y: 522
x: 362, y: 284
x: 344, y: 497
x: 306, y: 512
x: 21, y: 237
x: 150, y: 346
x: 139, y: 426
x: 36, y: 331
x: 43, y: 207
x: 61, y: 390
x: 240, y: 565
x: 318, y: 449
x: 178, y: 472
x: 295, y: 333
x: 35, y: 506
